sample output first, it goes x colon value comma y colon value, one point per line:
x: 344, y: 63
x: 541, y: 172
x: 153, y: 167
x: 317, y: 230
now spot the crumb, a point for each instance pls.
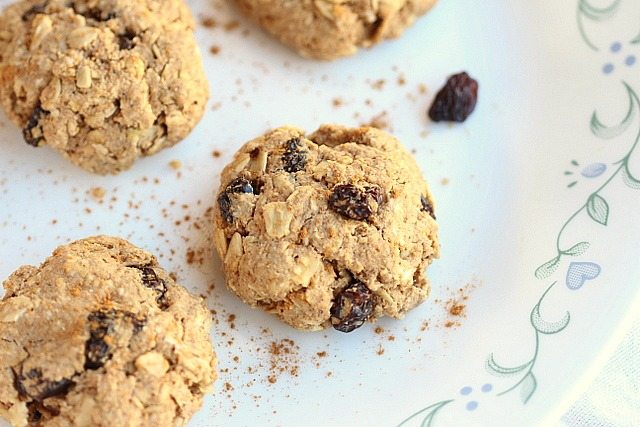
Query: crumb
x: 283, y: 358
x: 231, y: 25
x: 209, y: 22
x: 402, y: 80
x: 380, y: 121
x: 97, y: 193
x: 391, y: 338
x: 444, y: 181
x: 378, y: 330
x: 175, y: 164
x: 457, y: 309
x: 228, y: 386
x: 322, y: 354
x: 380, y: 351
x: 337, y: 102
x: 216, y: 153
x: 422, y: 88
x: 214, y: 50
x: 378, y: 84
x: 328, y: 374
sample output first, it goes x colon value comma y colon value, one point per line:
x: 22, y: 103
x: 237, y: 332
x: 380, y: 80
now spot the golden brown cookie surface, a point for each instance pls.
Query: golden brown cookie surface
x: 335, y: 227
x: 102, y: 81
x: 100, y: 335
x: 329, y: 29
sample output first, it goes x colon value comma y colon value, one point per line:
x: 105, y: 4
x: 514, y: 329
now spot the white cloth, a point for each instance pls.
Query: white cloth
x: 613, y: 400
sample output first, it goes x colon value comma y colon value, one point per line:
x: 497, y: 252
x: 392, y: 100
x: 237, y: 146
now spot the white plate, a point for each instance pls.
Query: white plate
x: 544, y: 71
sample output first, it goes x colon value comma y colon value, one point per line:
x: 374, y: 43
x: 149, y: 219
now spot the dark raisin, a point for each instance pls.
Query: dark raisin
x: 427, y: 206
x: 34, y: 414
x: 224, y: 204
x: 237, y: 186
x: 18, y: 384
x: 354, y: 203
x: 351, y: 307
x: 32, y: 132
x: 55, y: 388
x: 126, y: 40
x: 151, y: 280
x: 294, y: 158
x: 32, y: 385
x: 35, y: 10
x: 97, y: 351
x: 456, y: 100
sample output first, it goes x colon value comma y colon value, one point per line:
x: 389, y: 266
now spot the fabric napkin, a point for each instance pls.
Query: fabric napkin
x: 613, y: 400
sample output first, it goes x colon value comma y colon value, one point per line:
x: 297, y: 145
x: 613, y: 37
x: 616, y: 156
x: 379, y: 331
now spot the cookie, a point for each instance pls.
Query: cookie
x: 333, y: 228
x: 100, y: 335
x: 104, y: 82
x: 329, y: 29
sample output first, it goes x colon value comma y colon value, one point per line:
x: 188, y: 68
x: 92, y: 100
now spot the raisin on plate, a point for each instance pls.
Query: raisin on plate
x: 456, y: 100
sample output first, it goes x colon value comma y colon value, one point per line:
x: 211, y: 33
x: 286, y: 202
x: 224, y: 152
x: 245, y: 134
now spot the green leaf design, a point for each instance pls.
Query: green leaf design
x: 598, y: 209
x: 548, y: 268
x: 546, y: 327
x: 608, y: 132
x: 629, y: 179
x: 528, y: 387
x: 598, y: 14
x: 497, y: 369
x: 577, y: 249
x: 431, y: 411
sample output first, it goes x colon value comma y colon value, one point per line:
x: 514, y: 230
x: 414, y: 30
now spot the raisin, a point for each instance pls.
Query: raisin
x: 351, y: 307
x: 32, y: 132
x: 39, y: 388
x: 55, y: 388
x: 456, y: 100
x: 102, y: 324
x: 237, y: 186
x: 18, y: 384
x: 151, y: 280
x: 35, y: 10
x: 427, y: 206
x: 97, y: 352
x: 294, y: 158
x: 34, y: 413
x: 224, y: 204
x: 353, y: 203
x: 126, y: 40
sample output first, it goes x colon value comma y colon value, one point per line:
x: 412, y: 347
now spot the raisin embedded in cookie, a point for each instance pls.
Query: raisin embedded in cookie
x: 100, y: 335
x: 329, y: 29
x: 102, y: 81
x: 329, y: 229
